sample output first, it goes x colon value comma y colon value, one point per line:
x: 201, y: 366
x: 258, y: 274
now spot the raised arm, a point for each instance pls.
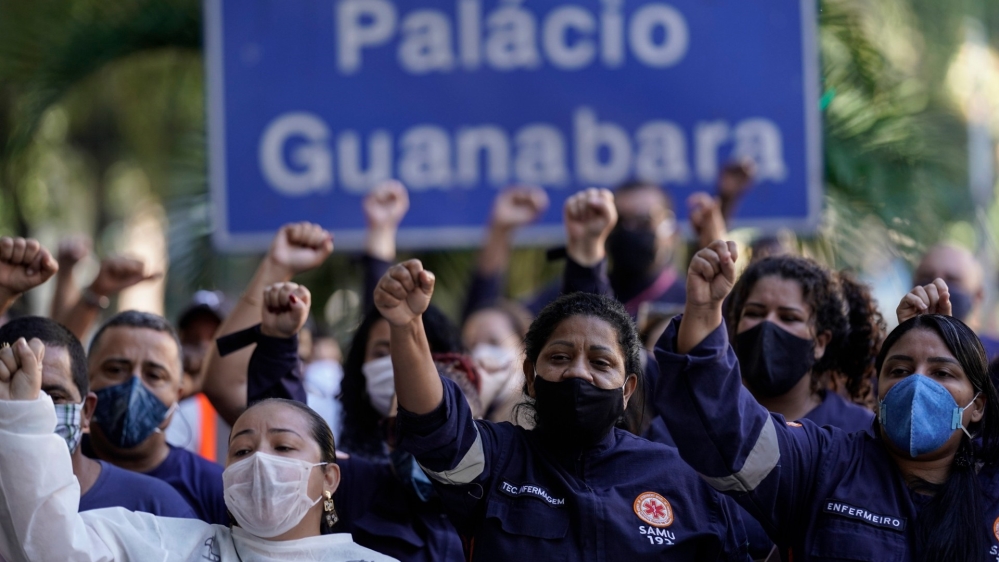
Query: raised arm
x: 514, y: 208
x: 720, y: 430
x: 117, y: 273
x: 275, y: 370
x: 296, y: 248
x: 710, y: 279
x: 39, y: 495
x: 402, y: 296
x: 384, y: 208
x: 24, y: 265
x: 70, y: 252
x: 588, y: 216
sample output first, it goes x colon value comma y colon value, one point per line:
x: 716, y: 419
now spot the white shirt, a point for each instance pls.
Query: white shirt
x: 39, y: 522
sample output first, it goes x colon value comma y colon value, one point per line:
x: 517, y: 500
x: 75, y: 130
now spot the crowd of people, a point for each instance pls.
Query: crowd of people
x: 636, y: 409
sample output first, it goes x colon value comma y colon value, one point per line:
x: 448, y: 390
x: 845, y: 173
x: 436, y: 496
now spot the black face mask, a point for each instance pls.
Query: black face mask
x: 632, y: 251
x: 575, y: 412
x: 772, y: 359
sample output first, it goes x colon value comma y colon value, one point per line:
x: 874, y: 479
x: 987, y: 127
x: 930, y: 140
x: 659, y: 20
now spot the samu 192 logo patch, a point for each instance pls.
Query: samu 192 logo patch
x: 654, y: 509
x: 995, y: 528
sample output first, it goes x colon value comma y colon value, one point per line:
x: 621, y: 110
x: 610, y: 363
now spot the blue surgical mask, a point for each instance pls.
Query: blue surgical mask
x: 128, y: 413
x: 919, y: 415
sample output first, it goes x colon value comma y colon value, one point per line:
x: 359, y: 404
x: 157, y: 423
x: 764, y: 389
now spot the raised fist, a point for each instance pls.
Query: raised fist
x: 589, y: 217
x: 118, y: 273
x: 286, y: 307
x: 928, y: 299
x: 706, y: 218
x: 517, y: 206
x: 404, y: 292
x: 71, y: 250
x: 386, y: 205
x: 21, y: 370
x: 24, y: 265
x: 711, y: 275
x: 300, y: 247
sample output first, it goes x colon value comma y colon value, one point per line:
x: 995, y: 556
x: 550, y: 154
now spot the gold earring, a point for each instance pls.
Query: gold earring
x: 331, y: 516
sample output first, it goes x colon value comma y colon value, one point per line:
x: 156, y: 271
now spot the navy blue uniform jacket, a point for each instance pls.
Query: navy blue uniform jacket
x: 819, y: 492
x: 512, y: 495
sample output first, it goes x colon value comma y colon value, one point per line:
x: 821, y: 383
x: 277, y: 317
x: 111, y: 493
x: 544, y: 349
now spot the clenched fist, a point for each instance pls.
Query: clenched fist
x: 711, y: 275
x: 24, y: 265
x: 404, y: 292
x: 518, y: 206
x: 386, y: 205
x: 21, y: 370
x: 300, y: 247
x: 589, y: 217
x: 118, y: 273
x: 285, y: 309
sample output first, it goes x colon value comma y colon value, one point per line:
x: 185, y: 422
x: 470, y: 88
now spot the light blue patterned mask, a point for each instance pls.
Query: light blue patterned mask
x: 919, y: 415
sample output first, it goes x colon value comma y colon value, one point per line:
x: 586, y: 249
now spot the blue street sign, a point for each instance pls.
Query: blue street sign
x: 312, y: 102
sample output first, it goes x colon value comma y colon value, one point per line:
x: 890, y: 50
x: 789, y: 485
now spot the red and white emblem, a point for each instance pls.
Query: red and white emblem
x: 995, y: 528
x: 654, y: 509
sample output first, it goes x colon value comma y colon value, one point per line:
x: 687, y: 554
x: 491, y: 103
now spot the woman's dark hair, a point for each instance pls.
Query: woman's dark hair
x: 361, y: 433
x: 321, y: 434
x: 840, y: 305
x: 855, y: 356
x: 952, y: 527
x: 582, y: 304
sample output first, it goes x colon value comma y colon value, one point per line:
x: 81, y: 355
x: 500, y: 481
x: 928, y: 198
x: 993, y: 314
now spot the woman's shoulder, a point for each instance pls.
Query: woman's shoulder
x: 836, y: 411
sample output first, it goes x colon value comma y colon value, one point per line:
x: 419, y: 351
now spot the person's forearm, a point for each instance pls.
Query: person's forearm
x: 379, y: 242
x: 494, y: 257
x: 418, y: 387
x: 587, y: 252
x: 223, y: 379
x: 593, y: 279
x: 80, y: 317
x: 696, y: 325
x: 66, y: 293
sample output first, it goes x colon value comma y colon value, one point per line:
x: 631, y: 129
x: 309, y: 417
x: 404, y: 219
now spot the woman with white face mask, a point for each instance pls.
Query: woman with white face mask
x: 389, y: 502
x: 494, y: 336
x: 280, y: 473
x: 368, y: 387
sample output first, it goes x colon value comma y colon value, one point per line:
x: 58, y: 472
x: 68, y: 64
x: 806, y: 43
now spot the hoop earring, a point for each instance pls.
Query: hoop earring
x: 331, y: 516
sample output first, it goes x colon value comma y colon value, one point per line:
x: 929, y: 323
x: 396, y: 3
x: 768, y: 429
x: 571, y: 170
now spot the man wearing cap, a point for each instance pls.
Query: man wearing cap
x: 198, y: 427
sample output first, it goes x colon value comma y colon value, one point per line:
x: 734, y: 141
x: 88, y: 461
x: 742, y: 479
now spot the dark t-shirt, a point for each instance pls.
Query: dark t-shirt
x: 116, y: 487
x: 199, y: 481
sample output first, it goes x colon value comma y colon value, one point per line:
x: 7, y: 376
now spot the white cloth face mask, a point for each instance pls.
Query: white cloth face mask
x: 380, y: 383
x: 323, y: 378
x: 268, y: 495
